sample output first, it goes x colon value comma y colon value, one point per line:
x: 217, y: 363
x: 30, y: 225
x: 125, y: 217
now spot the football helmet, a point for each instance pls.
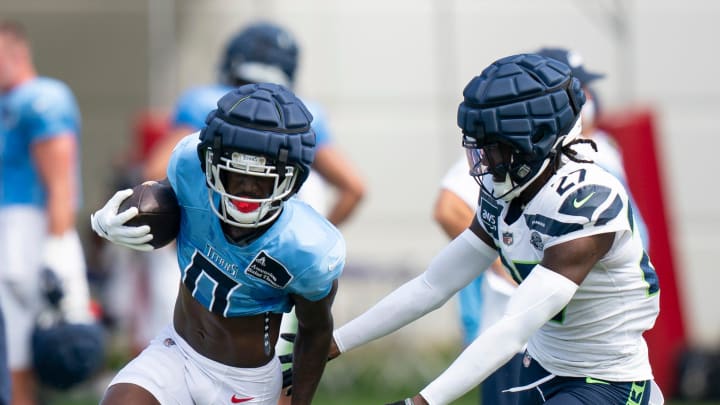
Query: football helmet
x: 261, y: 53
x: 257, y: 130
x: 66, y: 354
x: 514, y: 117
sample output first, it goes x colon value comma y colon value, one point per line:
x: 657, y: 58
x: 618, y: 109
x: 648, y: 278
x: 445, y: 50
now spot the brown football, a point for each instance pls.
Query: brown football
x: 157, y: 207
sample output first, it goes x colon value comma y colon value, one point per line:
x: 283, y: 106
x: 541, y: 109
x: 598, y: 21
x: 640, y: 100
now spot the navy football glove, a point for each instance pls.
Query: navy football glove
x: 287, y: 359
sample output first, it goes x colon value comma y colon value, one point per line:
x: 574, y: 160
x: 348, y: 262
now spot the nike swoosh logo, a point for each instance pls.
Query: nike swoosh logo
x: 236, y: 400
x: 590, y: 380
x: 578, y: 204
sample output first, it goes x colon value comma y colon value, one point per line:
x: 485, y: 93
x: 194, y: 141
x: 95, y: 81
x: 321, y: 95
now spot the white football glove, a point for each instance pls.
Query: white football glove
x: 108, y: 223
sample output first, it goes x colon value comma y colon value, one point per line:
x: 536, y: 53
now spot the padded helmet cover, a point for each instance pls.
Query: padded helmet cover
x: 261, y: 119
x: 526, y: 101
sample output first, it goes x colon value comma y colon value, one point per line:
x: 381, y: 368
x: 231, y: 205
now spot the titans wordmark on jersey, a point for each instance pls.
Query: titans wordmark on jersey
x: 599, y: 333
x: 301, y: 253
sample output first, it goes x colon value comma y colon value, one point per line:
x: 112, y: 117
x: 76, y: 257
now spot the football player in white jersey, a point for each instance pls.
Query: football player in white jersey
x: 564, y: 230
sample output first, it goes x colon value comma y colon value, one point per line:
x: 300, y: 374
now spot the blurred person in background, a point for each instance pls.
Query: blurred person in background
x: 39, y: 197
x: 607, y: 155
x: 483, y: 301
x: 564, y: 229
x: 248, y: 252
x: 266, y: 52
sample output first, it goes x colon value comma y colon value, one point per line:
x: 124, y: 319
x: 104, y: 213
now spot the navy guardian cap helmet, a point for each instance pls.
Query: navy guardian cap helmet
x: 529, y: 104
x: 67, y: 354
x: 257, y: 130
x: 261, y: 53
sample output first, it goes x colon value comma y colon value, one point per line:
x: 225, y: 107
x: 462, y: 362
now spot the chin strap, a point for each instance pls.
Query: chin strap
x: 216, y: 149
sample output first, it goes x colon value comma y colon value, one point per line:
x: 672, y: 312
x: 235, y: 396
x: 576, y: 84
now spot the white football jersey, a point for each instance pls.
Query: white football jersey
x: 599, y: 333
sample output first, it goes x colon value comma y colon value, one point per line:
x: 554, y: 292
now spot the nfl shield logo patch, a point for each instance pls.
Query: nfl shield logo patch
x: 507, y: 238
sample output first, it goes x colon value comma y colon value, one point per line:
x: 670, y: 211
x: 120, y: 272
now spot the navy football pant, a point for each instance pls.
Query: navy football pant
x: 577, y: 390
x: 505, y: 377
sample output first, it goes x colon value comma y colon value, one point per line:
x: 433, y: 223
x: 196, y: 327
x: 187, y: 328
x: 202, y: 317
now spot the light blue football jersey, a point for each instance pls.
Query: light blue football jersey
x: 195, y: 104
x: 301, y: 253
x: 34, y: 111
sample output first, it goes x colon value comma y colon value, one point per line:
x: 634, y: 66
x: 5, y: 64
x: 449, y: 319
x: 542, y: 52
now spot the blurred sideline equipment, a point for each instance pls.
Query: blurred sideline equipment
x: 64, y: 353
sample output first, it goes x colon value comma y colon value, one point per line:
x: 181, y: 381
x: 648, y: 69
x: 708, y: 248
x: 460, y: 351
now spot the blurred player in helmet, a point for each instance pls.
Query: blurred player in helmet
x: 39, y: 197
x: 564, y: 229
x: 264, y: 52
x: 248, y: 252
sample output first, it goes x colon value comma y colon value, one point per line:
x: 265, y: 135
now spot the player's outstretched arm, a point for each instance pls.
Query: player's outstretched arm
x: 460, y: 262
x: 109, y: 224
x: 315, y: 324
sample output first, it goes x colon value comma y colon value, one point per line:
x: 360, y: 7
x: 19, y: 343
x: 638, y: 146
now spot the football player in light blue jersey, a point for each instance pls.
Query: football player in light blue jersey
x: 266, y: 52
x: 39, y: 197
x: 565, y: 231
x: 248, y: 252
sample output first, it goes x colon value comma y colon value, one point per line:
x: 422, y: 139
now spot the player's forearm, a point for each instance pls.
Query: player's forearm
x: 404, y: 305
x: 344, y: 206
x: 60, y: 212
x: 453, y: 268
x: 540, y: 297
x: 452, y: 214
x: 310, y: 356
